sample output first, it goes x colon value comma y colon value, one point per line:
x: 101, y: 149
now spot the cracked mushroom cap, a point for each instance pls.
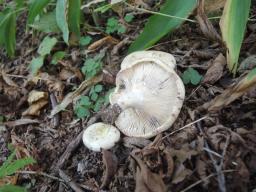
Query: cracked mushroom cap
x: 100, y: 136
x: 158, y: 56
x: 150, y: 95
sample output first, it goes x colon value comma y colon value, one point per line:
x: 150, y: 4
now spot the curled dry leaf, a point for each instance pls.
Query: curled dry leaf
x: 205, y: 25
x: 20, y: 122
x: 106, y: 40
x: 201, y: 167
x: 146, y: 181
x: 180, y: 173
x: 110, y: 161
x: 34, y: 109
x: 170, y: 163
x: 232, y: 93
x: 213, y: 5
x: 35, y: 96
x: 7, y: 79
x: 215, y: 72
x: 37, y: 100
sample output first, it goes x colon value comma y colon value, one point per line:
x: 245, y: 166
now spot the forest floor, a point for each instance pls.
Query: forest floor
x: 216, y: 153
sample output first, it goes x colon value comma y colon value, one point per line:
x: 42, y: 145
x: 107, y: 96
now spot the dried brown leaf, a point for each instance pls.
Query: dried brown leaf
x: 180, y: 173
x: 215, y: 72
x: 205, y: 25
x: 213, y: 5
x: 232, y: 93
x: 8, y: 80
x: 106, y: 40
x: 35, y: 96
x: 35, y: 108
x: 201, y: 168
x: 110, y: 162
x: 146, y: 181
x: 170, y: 163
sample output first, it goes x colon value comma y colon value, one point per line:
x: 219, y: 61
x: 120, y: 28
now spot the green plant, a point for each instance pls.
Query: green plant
x: 93, y: 102
x: 44, y: 49
x: 128, y: 18
x: 233, y: 25
x: 64, y: 17
x: 92, y: 66
x: 191, y: 76
x: 9, y: 167
x: 172, y: 14
x: 86, y: 40
x: 114, y: 26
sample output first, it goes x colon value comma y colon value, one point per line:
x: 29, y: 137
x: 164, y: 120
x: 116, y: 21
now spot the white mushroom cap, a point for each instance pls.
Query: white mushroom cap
x: 150, y: 95
x: 158, y: 56
x: 100, y: 136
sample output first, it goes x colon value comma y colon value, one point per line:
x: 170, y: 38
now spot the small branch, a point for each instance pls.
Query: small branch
x: 41, y: 174
x: 69, y: 181
x: 188, y: 125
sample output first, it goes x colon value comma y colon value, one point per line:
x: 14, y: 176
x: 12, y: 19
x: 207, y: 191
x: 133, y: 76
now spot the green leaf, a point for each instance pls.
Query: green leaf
x: 47, y: 23
x: 36, y: 64
x: 74, y: 16
x: 62, y: 18
x: 98, y: 104
x: 128, y: 18
x: 98, y: 88
x: 94, y: 96
x: 191, y: 76
x: 158, y: 25
x: 106, y: 98
x: 46, y: 45
x: 233, y: 25
x: 11, y: 167
x: 85, y: 40
x: 36, y: 8
x: 85, y: 101
x: 57, y: 56
x: 121, y: 29
x: 112, y: 25
x: 82, y: 112
x: 8, y: 31
x: 12, y: 188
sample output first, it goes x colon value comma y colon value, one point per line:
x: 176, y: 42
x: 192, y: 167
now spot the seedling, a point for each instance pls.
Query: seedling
x: 114, y: 26
x: 92, y: 66
x: 191, y: 76
x: 86, y: 40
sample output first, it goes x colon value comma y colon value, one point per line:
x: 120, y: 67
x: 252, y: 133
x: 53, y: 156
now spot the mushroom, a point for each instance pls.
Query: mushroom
x: 100, y: 136
x: 149, y: 92
x: 159, y: 57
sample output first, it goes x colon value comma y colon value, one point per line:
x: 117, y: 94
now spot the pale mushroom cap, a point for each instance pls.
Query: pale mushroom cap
x: 100, y: 136
x: 150, y: 96
x: 165, y: 58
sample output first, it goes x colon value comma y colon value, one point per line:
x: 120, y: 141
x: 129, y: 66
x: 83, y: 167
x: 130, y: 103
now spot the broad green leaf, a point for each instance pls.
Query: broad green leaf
x: 12, y: 167
x: 36, y: 64
x: 57, y: 56
x: 82, y: 112
x: 86, y: 40
x: 8, y: 29
x: 158, y: 25
x: 74, y: 16
x: 62, y: 18
x: 98, y: 104
x: 12, y: 188
x: 128, y: 18
x: 233, y: 24
x: 85, y: 101
x: 36, y: 8
x: 98, y: 88
x: 46, y: 45
x: 94, y: 96
x: 47, y: 23
x: 191, y: 76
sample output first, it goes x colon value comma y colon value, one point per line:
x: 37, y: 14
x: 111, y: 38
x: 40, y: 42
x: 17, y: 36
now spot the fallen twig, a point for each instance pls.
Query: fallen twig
x: 69, y: 181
